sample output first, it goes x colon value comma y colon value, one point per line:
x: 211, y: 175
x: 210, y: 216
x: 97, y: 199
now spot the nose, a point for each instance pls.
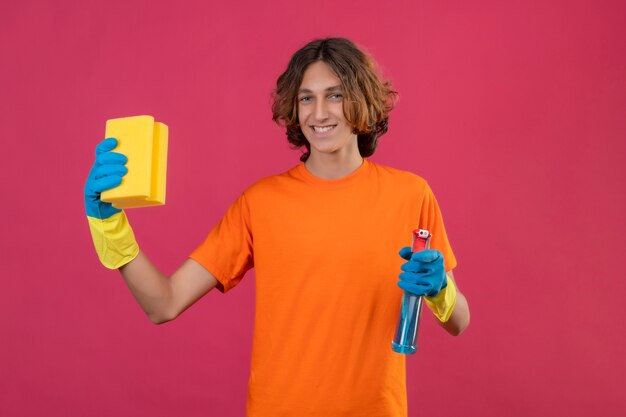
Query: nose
x: 321, y: 110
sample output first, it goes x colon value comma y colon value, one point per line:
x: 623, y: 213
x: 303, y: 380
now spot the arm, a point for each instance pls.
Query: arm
x: 460, y: 317
x: 162, y: 298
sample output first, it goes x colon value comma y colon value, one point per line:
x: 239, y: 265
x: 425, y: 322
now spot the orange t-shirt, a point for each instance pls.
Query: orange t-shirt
x: 326, y: 258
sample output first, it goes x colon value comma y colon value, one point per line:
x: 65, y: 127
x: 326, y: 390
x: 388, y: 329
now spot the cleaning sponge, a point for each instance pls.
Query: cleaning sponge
x: 144, y: 142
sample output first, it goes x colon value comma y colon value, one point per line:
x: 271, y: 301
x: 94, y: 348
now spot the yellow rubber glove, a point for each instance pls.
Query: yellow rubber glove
x: 112, y: 235
x: 424, y: 275
x: 443, y: 303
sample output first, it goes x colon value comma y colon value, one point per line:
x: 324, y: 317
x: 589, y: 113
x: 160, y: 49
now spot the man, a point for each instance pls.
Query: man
x: 322, y: 238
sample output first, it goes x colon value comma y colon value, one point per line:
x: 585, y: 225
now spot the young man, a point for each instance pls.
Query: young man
x: 323, y: 239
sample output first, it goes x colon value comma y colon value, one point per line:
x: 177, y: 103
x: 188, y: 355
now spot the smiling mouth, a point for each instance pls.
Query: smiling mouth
x: 323, y: 129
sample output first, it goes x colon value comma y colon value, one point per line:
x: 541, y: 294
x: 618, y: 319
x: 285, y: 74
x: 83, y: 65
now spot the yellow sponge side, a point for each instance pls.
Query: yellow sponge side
x: 159, y: 161
x: 144, y: 143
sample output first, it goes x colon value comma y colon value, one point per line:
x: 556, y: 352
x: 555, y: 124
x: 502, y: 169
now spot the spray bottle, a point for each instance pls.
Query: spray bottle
x: 405, y: 338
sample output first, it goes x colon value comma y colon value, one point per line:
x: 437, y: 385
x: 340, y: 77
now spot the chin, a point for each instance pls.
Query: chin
x: 328, y: 149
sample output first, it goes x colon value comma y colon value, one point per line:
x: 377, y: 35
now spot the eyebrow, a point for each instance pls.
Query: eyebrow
x: 329, y: 89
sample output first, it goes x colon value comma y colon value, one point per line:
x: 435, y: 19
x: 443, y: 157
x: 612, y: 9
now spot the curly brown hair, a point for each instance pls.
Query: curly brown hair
x: 368, y: 99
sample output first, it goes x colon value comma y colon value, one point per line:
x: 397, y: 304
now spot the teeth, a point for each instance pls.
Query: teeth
x: 322, y: 129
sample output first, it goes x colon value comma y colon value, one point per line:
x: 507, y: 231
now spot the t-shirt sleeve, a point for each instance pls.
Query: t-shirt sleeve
x: 432, y: 220
x: 227, y: 250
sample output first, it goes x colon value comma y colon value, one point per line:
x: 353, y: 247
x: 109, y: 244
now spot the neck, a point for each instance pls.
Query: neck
x: 333, y: 165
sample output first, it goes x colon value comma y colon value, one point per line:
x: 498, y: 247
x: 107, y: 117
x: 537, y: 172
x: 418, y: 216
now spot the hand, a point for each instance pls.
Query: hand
x: 112, y: 235
x: 424, y: 273
x: 106, y: 173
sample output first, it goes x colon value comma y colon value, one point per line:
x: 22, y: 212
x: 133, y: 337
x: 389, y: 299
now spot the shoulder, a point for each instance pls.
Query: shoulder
x: 272, y: 184
x: 399, y: 177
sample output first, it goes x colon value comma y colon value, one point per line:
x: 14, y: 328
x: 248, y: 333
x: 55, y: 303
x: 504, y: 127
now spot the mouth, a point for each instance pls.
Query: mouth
x: 323, y: 129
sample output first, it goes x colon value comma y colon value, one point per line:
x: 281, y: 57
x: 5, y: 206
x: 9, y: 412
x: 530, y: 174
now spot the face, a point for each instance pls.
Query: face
x: 320, y: 112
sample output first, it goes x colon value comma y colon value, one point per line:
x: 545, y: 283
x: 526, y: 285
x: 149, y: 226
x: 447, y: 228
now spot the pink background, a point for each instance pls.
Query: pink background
x: 513, y: 111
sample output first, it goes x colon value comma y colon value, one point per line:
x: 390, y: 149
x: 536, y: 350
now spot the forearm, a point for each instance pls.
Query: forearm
x: 460, y: 317
x: 151, y: 288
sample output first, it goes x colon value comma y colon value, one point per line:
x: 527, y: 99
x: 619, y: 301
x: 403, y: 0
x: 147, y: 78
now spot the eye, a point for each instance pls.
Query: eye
x: 336, y: 97
x: 305, y: 99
